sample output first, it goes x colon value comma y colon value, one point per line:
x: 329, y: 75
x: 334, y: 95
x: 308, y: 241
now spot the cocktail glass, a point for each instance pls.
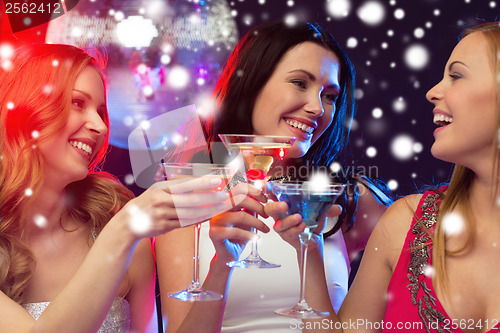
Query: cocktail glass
x: 310, y: 200
x: 187, y: 172
x: 259, y: 153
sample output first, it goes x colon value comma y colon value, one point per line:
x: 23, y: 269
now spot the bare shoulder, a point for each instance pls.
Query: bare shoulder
x: 141, y: 267
x: 367, y: 297
x: 392, y: 228
x: 399, y: 214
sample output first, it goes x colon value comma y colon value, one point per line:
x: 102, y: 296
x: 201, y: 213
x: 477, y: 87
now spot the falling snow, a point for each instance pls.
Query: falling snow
x: 338, y: 8
x: 40, y: 221
x: 393, y: 184
x: 402, y: 147
x: 416, y: 56
x: 453, y: 224
x: 139, y: 221
x: 371, y: 12
x: 371, y: 152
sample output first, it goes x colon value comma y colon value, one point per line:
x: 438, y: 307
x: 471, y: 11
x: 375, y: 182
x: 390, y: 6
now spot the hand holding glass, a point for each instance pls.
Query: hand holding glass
x: 259, y: 153
x: 311, y: 201
x: 189, y: 173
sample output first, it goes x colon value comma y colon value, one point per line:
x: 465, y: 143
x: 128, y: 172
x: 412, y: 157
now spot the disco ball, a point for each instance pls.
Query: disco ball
x: 163, y: 55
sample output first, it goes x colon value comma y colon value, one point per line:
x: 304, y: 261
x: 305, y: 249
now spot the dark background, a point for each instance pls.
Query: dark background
x: 381, y: 84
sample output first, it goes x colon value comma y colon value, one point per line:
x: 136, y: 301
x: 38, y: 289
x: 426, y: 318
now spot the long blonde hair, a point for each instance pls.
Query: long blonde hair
x: 457, y: 194
x: 36, y: 86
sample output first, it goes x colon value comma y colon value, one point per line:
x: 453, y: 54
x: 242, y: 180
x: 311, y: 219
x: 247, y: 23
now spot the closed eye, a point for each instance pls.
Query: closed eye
x: 455, y: 76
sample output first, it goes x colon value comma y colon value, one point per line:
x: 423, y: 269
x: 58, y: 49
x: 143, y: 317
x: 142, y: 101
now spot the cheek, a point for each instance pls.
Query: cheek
x: 325, y: 122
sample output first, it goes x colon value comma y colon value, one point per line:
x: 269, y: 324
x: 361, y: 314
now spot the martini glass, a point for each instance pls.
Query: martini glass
x: 259, y: 153
x: 310, y: 200
x: 188, y: 172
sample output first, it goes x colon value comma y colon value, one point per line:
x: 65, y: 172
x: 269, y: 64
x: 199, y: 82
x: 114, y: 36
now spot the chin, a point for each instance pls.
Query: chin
x: 297, y: 151
x: 440, y: 154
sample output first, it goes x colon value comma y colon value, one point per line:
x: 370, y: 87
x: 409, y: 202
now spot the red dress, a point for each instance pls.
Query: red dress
x: 412, y: 304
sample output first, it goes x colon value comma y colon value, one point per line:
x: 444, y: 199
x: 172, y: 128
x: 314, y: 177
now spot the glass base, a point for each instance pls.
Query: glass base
x: 252, y: 262
x: 303, y: 311
x: 196, y: 294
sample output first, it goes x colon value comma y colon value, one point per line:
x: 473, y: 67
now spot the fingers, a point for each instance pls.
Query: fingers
x: 188, y: 216
x: 239, y: 219
x: 292, y: 222
x: 277, y: 210
x: 250, y: 205
x: 244, y: 189
x: 234, y: 235
x: 335, y: 210
x: 190, y: 184
x: 199, y: 199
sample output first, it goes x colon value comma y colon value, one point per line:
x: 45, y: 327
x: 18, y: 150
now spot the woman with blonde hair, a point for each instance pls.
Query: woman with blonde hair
x: 434, y: 267
x: 74, y: 247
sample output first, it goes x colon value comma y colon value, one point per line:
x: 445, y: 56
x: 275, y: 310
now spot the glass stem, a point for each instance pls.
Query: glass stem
x: 254, y: 253
x: 196, y: 262
x: 304, y: 242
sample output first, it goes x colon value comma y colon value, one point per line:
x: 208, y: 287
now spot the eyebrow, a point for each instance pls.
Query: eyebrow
x: 313, y: 78
x: 83, y: 93
x: 455, y: 63
x: 88, y: 96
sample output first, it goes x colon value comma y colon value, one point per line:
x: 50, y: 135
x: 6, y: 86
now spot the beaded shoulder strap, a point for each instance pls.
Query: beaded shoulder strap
x: 420, y: 265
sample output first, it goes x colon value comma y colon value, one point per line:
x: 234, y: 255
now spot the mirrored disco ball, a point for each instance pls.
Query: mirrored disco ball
x: 162, y: 54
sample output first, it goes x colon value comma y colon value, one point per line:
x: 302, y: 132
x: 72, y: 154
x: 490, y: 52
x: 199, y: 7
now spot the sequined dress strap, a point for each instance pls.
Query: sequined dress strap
x: 420, y: 270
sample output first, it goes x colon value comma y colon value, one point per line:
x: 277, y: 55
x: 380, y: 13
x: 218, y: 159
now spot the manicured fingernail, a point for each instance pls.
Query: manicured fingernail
x: 215, y: 181
x: 222, y: 195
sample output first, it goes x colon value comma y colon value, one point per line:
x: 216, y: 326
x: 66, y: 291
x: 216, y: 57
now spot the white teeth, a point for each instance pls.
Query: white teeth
x: 80, y: 145
x: 440, y: 118
x: 301, y: 126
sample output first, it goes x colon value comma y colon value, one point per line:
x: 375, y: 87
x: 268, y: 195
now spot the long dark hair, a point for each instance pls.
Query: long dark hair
x: 249, y: 68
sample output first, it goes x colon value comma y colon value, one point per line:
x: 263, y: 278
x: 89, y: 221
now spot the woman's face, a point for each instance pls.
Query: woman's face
x: 465, y: 104
x: 68, y: 154
x: 299, y: 97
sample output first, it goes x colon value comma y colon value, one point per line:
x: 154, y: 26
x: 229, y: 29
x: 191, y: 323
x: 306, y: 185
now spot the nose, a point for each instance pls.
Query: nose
x: 95, y: 123
x: 314, y: 105
x: 435, y: 93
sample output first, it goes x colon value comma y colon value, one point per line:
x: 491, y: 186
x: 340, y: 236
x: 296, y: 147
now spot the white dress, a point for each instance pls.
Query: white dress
x: 254, y: 294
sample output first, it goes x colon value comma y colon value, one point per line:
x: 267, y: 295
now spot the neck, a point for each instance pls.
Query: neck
x: 46, y: 211
x: 483, y: 196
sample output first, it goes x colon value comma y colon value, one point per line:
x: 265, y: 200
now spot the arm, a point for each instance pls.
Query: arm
x: 316, y: 288
x: 141, y: 296
x: 366, y: 299
x: 94, y: 285
x: 91, y: 290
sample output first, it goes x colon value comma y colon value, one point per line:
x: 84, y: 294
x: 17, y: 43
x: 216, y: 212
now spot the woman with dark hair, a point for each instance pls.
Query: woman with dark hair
x: 74, y: 249
x: 288, y: 80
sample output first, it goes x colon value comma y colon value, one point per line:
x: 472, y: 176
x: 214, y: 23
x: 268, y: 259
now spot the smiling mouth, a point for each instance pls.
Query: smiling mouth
x: 82, y: 146
x: 297, y: 124
x: 442, y: 120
